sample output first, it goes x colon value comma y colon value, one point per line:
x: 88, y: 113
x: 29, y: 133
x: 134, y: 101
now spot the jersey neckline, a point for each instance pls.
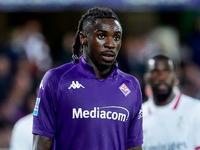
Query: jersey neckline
x: 172, y: 105
x: 89, y: 70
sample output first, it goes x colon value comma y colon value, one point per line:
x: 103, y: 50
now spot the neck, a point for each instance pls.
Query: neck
x: 103, y: 72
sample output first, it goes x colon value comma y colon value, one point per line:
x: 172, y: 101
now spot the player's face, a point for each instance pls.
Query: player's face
x: 161, y: 76
x: 103, y: 42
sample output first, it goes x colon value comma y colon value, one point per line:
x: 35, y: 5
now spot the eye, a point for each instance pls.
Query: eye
x: 101, y: 36
x: 117, y: 37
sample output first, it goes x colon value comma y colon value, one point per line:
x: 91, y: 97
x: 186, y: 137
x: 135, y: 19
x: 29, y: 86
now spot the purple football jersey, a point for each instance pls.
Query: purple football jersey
x: 80, y: 111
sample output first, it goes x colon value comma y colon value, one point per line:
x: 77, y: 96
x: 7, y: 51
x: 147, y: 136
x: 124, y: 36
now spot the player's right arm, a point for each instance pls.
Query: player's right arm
x: 41, y: 142
x: 44, y: 113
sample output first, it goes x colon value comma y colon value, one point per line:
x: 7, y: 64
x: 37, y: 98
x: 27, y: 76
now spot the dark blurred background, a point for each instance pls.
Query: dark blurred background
x: 37, y: 35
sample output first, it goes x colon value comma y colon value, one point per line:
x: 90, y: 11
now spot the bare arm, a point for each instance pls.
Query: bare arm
x: 135, y: 148
x: 41, y: 142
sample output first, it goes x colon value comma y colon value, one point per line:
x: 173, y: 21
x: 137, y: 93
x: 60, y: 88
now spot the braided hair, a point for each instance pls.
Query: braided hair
x: 88, y: 19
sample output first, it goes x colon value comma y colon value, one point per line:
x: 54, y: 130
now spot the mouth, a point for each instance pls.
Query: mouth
x: 108, y: 56
x: 162, y: 86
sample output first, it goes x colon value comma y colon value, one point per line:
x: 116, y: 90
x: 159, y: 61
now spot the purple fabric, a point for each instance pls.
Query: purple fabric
x: 84, y: 113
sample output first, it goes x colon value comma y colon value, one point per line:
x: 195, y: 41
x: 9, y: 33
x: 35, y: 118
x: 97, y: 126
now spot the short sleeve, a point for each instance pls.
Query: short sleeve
x: 44, y: 114
x: 135, y: 135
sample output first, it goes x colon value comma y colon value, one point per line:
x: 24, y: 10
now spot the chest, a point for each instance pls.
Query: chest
x: 91, y: 98
x: 169, y: 125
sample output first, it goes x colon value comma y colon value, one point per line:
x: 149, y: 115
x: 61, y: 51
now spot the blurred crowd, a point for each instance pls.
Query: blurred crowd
x: 26, y: 56
x: 185, y: 52
x: 23, y: 61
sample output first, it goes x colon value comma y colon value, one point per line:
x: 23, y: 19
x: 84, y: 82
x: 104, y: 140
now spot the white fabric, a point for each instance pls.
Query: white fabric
x: 22, y: 136
x: 166, y: 128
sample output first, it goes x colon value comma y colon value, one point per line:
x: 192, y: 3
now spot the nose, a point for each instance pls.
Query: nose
x: 110, y: 43
x: 162, y: 75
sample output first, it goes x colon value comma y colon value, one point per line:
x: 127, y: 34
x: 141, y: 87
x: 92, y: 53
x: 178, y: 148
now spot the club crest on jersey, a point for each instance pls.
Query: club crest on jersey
x: 35, y: 112
x: 125, y: 90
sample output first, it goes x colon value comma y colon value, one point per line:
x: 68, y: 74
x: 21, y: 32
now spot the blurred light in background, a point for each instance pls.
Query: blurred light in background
x: 120, y: 5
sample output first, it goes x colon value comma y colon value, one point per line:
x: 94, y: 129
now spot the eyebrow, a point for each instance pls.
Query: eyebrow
x: 100, y: 30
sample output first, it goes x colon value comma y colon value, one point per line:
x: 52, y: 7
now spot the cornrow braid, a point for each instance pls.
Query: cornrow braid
x: 89, y: 17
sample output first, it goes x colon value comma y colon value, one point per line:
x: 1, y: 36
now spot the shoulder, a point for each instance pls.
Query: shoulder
x: 190, y: 102
x: 145, y: 106
x: 54, y: 74
x: 128, y: 78
x: 59, y: 71
x: 26, y: 119
x: 24, y: 122
x: 146, y: 103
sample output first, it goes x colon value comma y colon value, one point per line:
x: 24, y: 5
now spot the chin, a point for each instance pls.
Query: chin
x: 106, y: 63
x: 162, y: 95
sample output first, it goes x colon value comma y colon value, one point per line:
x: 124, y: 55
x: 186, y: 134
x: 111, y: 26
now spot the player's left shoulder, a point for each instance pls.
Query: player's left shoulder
x: 191, y: 102
x: 128, y: 77
x: 190, y: 99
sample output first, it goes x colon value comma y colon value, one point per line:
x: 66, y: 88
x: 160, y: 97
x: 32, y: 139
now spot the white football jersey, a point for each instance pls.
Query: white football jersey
x: 175, y: 126
x: 22, y: 136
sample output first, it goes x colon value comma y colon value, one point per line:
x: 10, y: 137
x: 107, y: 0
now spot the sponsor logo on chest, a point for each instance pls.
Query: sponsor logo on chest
x: 108, y: 112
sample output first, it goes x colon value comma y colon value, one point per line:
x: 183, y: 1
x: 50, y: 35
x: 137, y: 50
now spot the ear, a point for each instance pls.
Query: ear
x: 148, y: 90
x: 146, y: 78
x: 83, y: 38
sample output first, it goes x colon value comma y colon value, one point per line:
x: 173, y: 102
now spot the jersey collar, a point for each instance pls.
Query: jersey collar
x: 89, y: 70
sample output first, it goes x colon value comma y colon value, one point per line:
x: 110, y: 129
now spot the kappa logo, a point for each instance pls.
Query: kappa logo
x: 140, y: 114
x: 41, y: 85
x: 125, y: 90
x: 76, y: 85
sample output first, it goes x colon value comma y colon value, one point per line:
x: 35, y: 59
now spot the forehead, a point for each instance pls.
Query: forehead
x: 160, y: 64
x: 107, y: 24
